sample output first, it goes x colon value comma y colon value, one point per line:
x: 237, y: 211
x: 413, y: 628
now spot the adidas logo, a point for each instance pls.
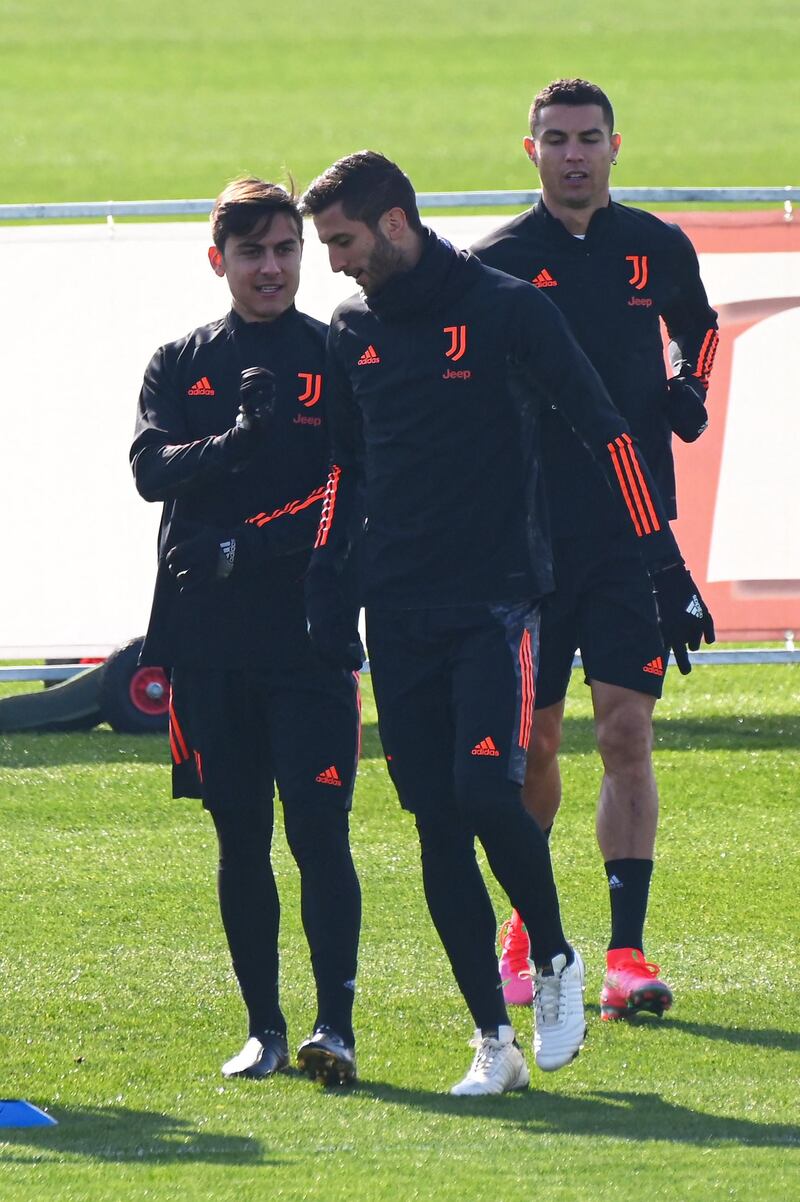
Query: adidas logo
x: 329, y: 777
x: 655, y: 667
x: 370, y: 356
x: 201, y: 388
x: 545, y: 280
x: 694, y: 607
x: 485, y: 747
x: 228, y: 549
x: 614, y: 882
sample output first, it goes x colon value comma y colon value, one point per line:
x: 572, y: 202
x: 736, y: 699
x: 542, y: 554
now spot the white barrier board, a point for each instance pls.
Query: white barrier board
x: 84, y: 307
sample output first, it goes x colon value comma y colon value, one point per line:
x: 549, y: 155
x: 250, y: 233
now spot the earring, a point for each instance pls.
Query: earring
x: 613, y: 162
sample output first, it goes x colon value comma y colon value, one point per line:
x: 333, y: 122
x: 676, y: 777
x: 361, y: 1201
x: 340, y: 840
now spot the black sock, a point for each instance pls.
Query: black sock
x: 628, y: 887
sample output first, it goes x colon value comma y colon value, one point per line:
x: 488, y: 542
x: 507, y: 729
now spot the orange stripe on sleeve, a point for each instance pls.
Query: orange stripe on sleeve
x: 261, y: 519
x: 645, y: 492
x: 623, y: 487
x: 705, y: 360
x: 636, y: 497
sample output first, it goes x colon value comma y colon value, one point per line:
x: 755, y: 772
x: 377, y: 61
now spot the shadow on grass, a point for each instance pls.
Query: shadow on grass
x: 764, y: 1037
x: 768, y: 1037
x: 115, y: 1133
x: 614, y: 1114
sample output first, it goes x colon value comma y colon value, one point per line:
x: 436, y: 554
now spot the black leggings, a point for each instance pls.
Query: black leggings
x: 459, y: 902
x: 330, y: 909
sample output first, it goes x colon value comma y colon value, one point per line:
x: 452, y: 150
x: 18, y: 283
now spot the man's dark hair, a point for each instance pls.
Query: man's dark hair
x: 574, y: 92
x: 367, y: 185
x: 249, y: 204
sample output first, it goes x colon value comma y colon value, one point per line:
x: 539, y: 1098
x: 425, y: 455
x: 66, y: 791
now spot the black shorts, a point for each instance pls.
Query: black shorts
x: 235, y: 735
x: 455, y: 694
x: 604, y: 605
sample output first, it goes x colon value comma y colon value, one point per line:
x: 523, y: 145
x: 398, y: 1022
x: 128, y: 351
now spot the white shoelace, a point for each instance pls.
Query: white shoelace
x: 549, y: 998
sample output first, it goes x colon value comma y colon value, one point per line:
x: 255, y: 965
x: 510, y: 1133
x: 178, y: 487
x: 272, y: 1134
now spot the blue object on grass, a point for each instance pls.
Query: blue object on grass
x: 16, y: 1113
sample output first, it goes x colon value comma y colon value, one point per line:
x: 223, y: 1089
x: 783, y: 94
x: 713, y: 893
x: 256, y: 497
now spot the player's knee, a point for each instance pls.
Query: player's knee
x: 545, y: 741
x: 442, y: 835
x: 625, y: 737
x: 316, y: 832
x: 244, y: 835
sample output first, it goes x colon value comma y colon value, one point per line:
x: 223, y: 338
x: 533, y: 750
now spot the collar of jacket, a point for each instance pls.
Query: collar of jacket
x: 235, y: 324
x: 439, y: 275
x: 600, y: 221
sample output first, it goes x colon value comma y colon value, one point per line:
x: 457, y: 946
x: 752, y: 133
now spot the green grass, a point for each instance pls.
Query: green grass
x: 143, y: 99
x: 118, y: 1002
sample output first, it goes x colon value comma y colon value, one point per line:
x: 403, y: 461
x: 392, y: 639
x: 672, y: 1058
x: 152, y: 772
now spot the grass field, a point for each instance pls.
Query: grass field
x: 143, y: 99
x: 118, y: 1003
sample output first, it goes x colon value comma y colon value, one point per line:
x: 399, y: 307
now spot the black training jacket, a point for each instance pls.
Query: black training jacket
x: 614, y: 287
x: 436, y: 386
x: 270, y: 500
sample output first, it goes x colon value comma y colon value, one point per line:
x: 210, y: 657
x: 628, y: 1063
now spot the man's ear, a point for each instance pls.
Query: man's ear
x: 215, y: 259
x: 530, y: 150
x: 393, y: 223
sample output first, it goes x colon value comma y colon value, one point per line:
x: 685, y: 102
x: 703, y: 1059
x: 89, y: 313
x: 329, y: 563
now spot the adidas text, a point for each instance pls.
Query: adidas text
x: 485, y: 747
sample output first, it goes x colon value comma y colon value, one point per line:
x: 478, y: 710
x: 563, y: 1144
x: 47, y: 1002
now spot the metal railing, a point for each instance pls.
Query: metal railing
x: 787, y: 196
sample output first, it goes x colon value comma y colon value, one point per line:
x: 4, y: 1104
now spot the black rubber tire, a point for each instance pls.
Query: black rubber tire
x: 48, y: 684
x: 122, y: 680
x: 70, y: 705
x: 87, y: 723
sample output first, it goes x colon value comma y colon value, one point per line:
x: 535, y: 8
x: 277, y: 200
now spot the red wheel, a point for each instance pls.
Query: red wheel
x: 134, y: 697
x: 149, y: 691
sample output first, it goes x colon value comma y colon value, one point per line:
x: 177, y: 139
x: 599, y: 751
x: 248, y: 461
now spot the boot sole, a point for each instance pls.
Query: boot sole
x: 323, y: 1066
x: 653, y: 1001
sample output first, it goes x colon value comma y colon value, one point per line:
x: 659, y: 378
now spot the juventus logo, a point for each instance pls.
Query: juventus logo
x: 640, y: 270
x: 313, y: 388
x: 458, y: 343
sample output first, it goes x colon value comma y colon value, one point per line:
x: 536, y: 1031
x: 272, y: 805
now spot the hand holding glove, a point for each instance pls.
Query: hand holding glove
x: 257, y: 392
x: 683, y: 615
x: 201, y: 559
x: 332, y: 624
x: 686, y: 407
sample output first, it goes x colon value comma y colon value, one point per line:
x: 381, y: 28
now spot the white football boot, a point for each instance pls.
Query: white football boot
x: 559, y: 1023
x: 498, y: 1066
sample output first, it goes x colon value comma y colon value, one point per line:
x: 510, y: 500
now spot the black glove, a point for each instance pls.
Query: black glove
x: 332, y: 625
x: 685, y: 620
x: 201, y: 559
x: 257, y: 391
x: 686, y: 407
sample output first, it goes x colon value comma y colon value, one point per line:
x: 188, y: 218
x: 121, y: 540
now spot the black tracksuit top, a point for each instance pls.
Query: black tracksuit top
x: 269, y: 501
x: 614, y: 287
x: 436, y: 386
